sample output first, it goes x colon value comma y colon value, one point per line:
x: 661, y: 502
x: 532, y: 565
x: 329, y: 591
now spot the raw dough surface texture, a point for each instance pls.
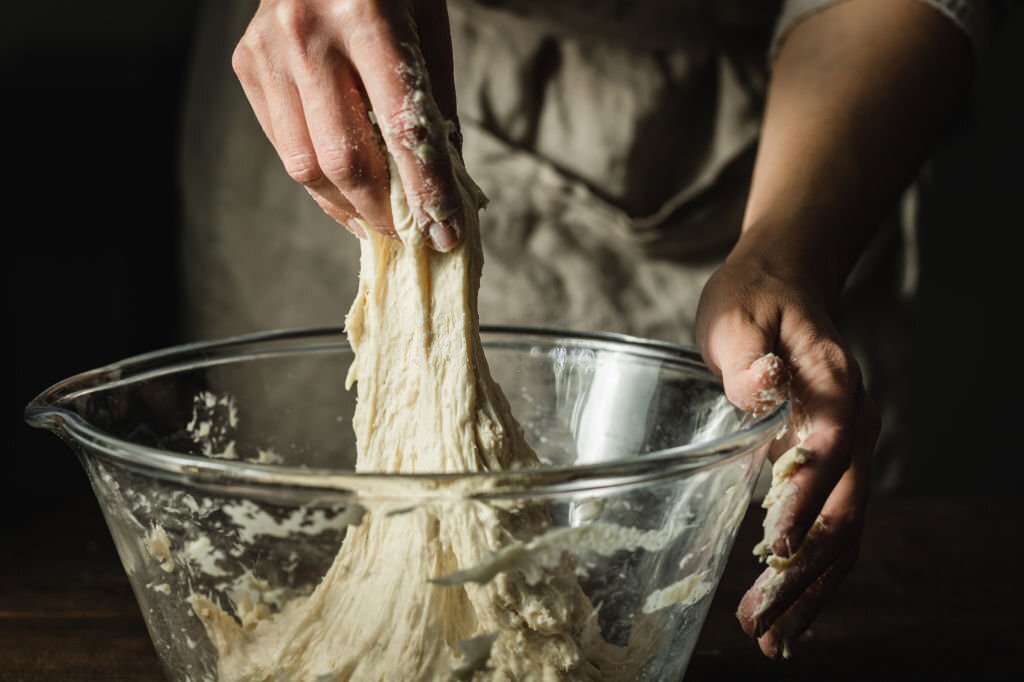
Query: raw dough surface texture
x: 427, y: 403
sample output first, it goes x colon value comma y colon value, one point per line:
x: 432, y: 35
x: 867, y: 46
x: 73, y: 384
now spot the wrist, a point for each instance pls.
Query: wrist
x: 812, y: 266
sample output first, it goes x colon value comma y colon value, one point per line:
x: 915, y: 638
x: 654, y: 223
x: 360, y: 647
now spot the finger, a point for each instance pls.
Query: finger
x: 290, y: 136
x: 742, y: 352
x: 390, y: 64
x: 273, y: 98
x: 347, y: 150
x: 243, y: 62
x: 841, y: 426
x: 291, y: 140
x: 778, y: 586
x: 833, y: 533
x: 331, y: 201
x: 776, y: 642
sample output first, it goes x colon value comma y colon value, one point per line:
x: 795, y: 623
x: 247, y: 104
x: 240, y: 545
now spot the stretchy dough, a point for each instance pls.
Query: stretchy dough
x: 427, y: 403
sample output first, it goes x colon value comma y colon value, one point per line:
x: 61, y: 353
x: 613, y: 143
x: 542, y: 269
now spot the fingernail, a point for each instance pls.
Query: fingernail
x: 784, y: 546
x: 775, y: 645
x: 443, y: 237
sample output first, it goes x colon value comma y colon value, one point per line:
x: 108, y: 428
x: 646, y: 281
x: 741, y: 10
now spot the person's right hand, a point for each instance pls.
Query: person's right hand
x: 314, y: 69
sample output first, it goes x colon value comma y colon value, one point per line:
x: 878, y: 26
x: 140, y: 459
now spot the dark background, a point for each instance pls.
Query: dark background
x: 90, y: 117
x: 91, y: 113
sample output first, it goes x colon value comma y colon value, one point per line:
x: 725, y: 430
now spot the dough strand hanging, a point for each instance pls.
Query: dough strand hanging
x: 426, y: 403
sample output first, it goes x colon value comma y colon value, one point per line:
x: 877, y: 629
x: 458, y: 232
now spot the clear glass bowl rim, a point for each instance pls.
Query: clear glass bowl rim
x: 47, y: 411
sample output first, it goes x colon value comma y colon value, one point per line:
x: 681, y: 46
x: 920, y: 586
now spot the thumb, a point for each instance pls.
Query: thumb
x: 742, y: 353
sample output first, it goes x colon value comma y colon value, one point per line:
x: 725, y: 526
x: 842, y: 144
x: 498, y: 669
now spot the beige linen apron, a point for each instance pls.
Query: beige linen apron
x: 615, y: 141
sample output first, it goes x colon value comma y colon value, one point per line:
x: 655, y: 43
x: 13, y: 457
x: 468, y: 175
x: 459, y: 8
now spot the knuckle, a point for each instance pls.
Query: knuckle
x: 294, y: 18
x: 240, y: 60
x: 356, y: 13
x: 254, y: 51
x: 344, y: 167
x: 840, y: 363
x: 408, y: 128
x: 255, y: 38
x: 844, y: 527
x: 302, y: 167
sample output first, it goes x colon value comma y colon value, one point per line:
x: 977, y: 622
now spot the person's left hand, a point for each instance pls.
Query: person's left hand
x: 756, y: 305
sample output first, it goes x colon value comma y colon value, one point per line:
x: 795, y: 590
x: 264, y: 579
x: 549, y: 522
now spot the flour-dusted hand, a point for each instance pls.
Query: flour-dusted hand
x: 314, y: 69
x: 765, y: 333
x: 836, y: 149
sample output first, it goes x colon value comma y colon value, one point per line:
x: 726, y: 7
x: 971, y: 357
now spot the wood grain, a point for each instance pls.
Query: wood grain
x: 934, y: 595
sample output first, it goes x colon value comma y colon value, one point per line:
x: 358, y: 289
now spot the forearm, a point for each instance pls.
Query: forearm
x: 859, y: 93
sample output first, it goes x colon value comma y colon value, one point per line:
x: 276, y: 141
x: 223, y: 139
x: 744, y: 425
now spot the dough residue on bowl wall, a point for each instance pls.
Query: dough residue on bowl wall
x: 457, y: 589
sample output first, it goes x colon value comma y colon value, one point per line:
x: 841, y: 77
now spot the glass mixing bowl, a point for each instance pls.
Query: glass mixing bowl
x: 225, y: 472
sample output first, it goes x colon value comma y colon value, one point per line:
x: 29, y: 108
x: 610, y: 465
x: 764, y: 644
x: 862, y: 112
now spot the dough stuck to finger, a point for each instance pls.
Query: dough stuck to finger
x: 415, y: 132
x: 772, y: 380
x: 778, y: 641
x: 388, y: 607
x: 779, y: 502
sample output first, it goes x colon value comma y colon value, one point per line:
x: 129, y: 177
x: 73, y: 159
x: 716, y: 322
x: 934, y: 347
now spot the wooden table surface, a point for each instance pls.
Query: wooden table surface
x: 935, y: 595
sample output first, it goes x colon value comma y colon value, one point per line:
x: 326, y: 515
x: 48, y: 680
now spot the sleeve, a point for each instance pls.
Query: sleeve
x: 978, y: 19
